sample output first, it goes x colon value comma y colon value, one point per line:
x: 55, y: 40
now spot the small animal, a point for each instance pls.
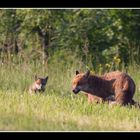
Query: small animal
x: 39, y: 85
x: 116, y: 84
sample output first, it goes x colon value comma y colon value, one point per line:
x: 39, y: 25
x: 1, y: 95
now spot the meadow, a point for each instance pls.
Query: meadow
x: 58, y: 109
x: 56, y: 43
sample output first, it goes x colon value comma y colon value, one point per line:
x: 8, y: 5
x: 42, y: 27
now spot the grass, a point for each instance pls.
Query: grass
x: 58, y: 109
x: 52, y: 112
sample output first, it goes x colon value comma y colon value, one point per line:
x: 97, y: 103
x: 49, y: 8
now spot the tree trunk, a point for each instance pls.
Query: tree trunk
x: 44, y: 37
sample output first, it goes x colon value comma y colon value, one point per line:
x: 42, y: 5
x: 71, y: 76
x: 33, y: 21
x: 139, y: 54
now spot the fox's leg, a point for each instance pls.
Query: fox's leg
x: 93, y: 98
x: 122, y: 97
x: 110, y: 98
x: 30, y: 91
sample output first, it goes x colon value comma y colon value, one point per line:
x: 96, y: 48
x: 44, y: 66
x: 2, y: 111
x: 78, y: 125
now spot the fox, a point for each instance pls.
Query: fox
x: 38, y: 85
x: 115, y: 87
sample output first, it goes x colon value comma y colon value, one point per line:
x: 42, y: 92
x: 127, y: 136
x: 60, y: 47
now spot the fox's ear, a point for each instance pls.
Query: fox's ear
x: 87, y: 73
x: 36, y: 77
x: 47, y: 78
x: 77, y: 72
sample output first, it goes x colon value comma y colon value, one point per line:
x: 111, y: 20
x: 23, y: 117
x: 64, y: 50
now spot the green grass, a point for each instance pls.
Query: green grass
x: 52, y: 112
x: 58, y: 109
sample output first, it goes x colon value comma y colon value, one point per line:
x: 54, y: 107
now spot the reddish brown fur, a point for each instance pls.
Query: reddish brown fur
x: 38, y: 85
x: 38, y: 81
x: 99, y: 88
x: 33, y: 88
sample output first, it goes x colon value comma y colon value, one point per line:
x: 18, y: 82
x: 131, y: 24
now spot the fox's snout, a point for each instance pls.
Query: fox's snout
x: 76, y: 90
x: 38, y: 86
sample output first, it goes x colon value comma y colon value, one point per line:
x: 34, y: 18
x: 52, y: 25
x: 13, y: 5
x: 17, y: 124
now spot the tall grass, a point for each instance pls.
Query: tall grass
x: 58, y: 109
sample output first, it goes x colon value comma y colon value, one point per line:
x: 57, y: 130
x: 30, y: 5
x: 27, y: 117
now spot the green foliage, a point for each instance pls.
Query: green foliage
x: 97, y: 34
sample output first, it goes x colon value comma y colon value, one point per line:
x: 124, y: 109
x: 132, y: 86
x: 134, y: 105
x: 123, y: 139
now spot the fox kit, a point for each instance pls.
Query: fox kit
x: 117, y: 84
x: 39, y: 85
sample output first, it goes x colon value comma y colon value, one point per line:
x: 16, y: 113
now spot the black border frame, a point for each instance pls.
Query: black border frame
x: 69, y: 4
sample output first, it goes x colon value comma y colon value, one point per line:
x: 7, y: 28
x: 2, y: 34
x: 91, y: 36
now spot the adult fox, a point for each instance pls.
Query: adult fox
x: 100, y: 88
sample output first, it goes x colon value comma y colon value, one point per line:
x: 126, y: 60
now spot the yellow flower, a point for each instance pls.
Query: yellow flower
x: 118, y: 60
x: 115, y: 57
x: 108, y: 65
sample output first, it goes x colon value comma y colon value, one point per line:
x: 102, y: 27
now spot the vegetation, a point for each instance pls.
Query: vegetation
x: 57, y: 42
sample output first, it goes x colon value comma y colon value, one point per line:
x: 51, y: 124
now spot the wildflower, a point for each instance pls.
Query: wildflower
x: 108, y: 65
x: 115, y: 57
x: 118, y: 60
